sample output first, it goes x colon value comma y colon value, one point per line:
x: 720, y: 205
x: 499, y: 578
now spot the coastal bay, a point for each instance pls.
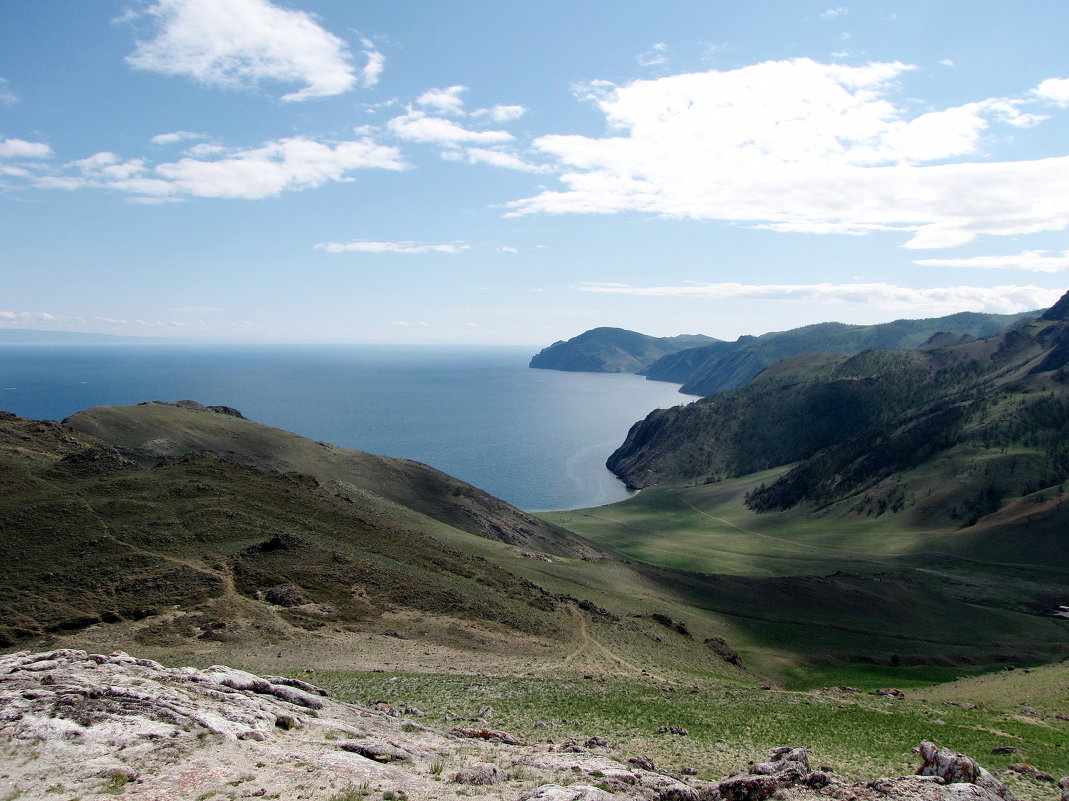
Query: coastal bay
x: 536, y: 438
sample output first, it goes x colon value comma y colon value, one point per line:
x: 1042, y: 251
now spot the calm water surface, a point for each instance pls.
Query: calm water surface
x: 536, y: 438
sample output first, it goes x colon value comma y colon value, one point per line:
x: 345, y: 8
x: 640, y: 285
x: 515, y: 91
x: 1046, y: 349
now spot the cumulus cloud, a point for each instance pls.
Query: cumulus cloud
x: 389, y: 247
x: 1054, y: 90
x: 803, y: 146
x: 243, y: 43
x: 21, y: 149
x: 376, y: 63
x: 1040, y: 261
x: 175, y: 137
x: 443, y: 101
x: 427, y: 121
x: 275, y: 167
x: 417, y: 126
x: 999, y: 299
x: 501, y: 113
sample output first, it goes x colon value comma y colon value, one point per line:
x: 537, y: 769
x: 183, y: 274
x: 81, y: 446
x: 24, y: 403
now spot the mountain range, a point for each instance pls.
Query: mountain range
x: 951, y: 434
x: 706, y: 367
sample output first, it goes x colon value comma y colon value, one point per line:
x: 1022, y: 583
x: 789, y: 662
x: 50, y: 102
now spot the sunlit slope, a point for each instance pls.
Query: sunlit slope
x: 151, y: 431
x: 808, y: 589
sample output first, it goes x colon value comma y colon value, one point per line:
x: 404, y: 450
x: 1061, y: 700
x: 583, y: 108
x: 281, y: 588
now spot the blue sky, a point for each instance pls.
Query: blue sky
x: 517, y: 172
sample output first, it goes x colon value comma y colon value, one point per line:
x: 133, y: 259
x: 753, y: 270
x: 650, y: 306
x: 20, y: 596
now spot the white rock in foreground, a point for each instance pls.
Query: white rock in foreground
x: 87, y: 725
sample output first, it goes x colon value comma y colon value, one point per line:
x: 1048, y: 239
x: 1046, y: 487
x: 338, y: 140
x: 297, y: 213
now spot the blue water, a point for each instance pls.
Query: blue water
x: 536, y: 438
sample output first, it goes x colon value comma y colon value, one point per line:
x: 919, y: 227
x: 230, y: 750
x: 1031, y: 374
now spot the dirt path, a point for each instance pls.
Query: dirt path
x: 590, y: 647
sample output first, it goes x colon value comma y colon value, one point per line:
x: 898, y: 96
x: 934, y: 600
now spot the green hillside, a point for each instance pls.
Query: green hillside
x: 722, y: 366
x: 612, y: 350
x: 950, y: 434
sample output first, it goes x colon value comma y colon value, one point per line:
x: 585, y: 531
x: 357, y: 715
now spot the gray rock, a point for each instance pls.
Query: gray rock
x: 954, y: 768
x: 1030, y: 770
x: 479, y: 773
x: 377, y: 750
x: 574, y: 792
x: 748, y: 788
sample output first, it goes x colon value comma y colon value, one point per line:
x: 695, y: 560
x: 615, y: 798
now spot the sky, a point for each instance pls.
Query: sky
x: 517, y: 172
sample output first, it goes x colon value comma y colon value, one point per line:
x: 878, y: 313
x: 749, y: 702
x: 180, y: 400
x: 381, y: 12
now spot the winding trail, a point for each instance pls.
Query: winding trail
x: 588, y: 646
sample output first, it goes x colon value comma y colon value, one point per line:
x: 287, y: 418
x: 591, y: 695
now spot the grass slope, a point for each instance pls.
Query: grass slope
x: 804, y: 593
x: 153, y: 431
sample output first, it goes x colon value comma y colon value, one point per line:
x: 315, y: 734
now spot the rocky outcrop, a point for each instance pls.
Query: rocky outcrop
x: 91, y: 723
x: 954, y: 768
x: 616, y: 776
x: 93, y: 726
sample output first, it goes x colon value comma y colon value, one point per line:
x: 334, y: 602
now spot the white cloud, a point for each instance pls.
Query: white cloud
x: 832, y: 13
x: 946, y: 62
x: 204, y: 150
x: 999, y: 299
x: 654, y: 57
x: 1054, y: 90
x: 1040, y: 261
x: 803, y: 146
x: 287, y: 164
x: 25, y: 316
x: 416, y: 126
x: 495, y: 158
x: 507, y: 249
x: 443, y: 101
x: 241, y: 43
x: 275, y: 167
x: 7, y: 94
x: 21, y: 149
x: 389, y: 247
x: 175, y: 137
x: 500, y: 113
x: 376, y: 63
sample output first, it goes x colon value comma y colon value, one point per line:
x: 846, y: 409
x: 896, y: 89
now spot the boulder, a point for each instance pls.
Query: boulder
x: 1030, y: 770
x: 954, y: 768
x: 479, y: 774
x: 748, y: 788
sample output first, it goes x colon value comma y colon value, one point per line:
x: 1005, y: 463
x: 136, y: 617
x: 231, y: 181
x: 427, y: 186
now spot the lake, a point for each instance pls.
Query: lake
x: 535, y: 438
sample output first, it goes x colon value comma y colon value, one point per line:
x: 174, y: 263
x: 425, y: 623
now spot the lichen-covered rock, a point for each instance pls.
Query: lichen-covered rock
x: 74, y: 724
x: 954, y: 768
x: 573, y: 792
x: 1030, y: 770
x: 616, y: 776
x: 479, y: 773
x: 748, y: 788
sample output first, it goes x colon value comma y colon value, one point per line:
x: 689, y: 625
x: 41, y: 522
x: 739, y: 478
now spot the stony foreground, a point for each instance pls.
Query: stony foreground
x: 83, y: 726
